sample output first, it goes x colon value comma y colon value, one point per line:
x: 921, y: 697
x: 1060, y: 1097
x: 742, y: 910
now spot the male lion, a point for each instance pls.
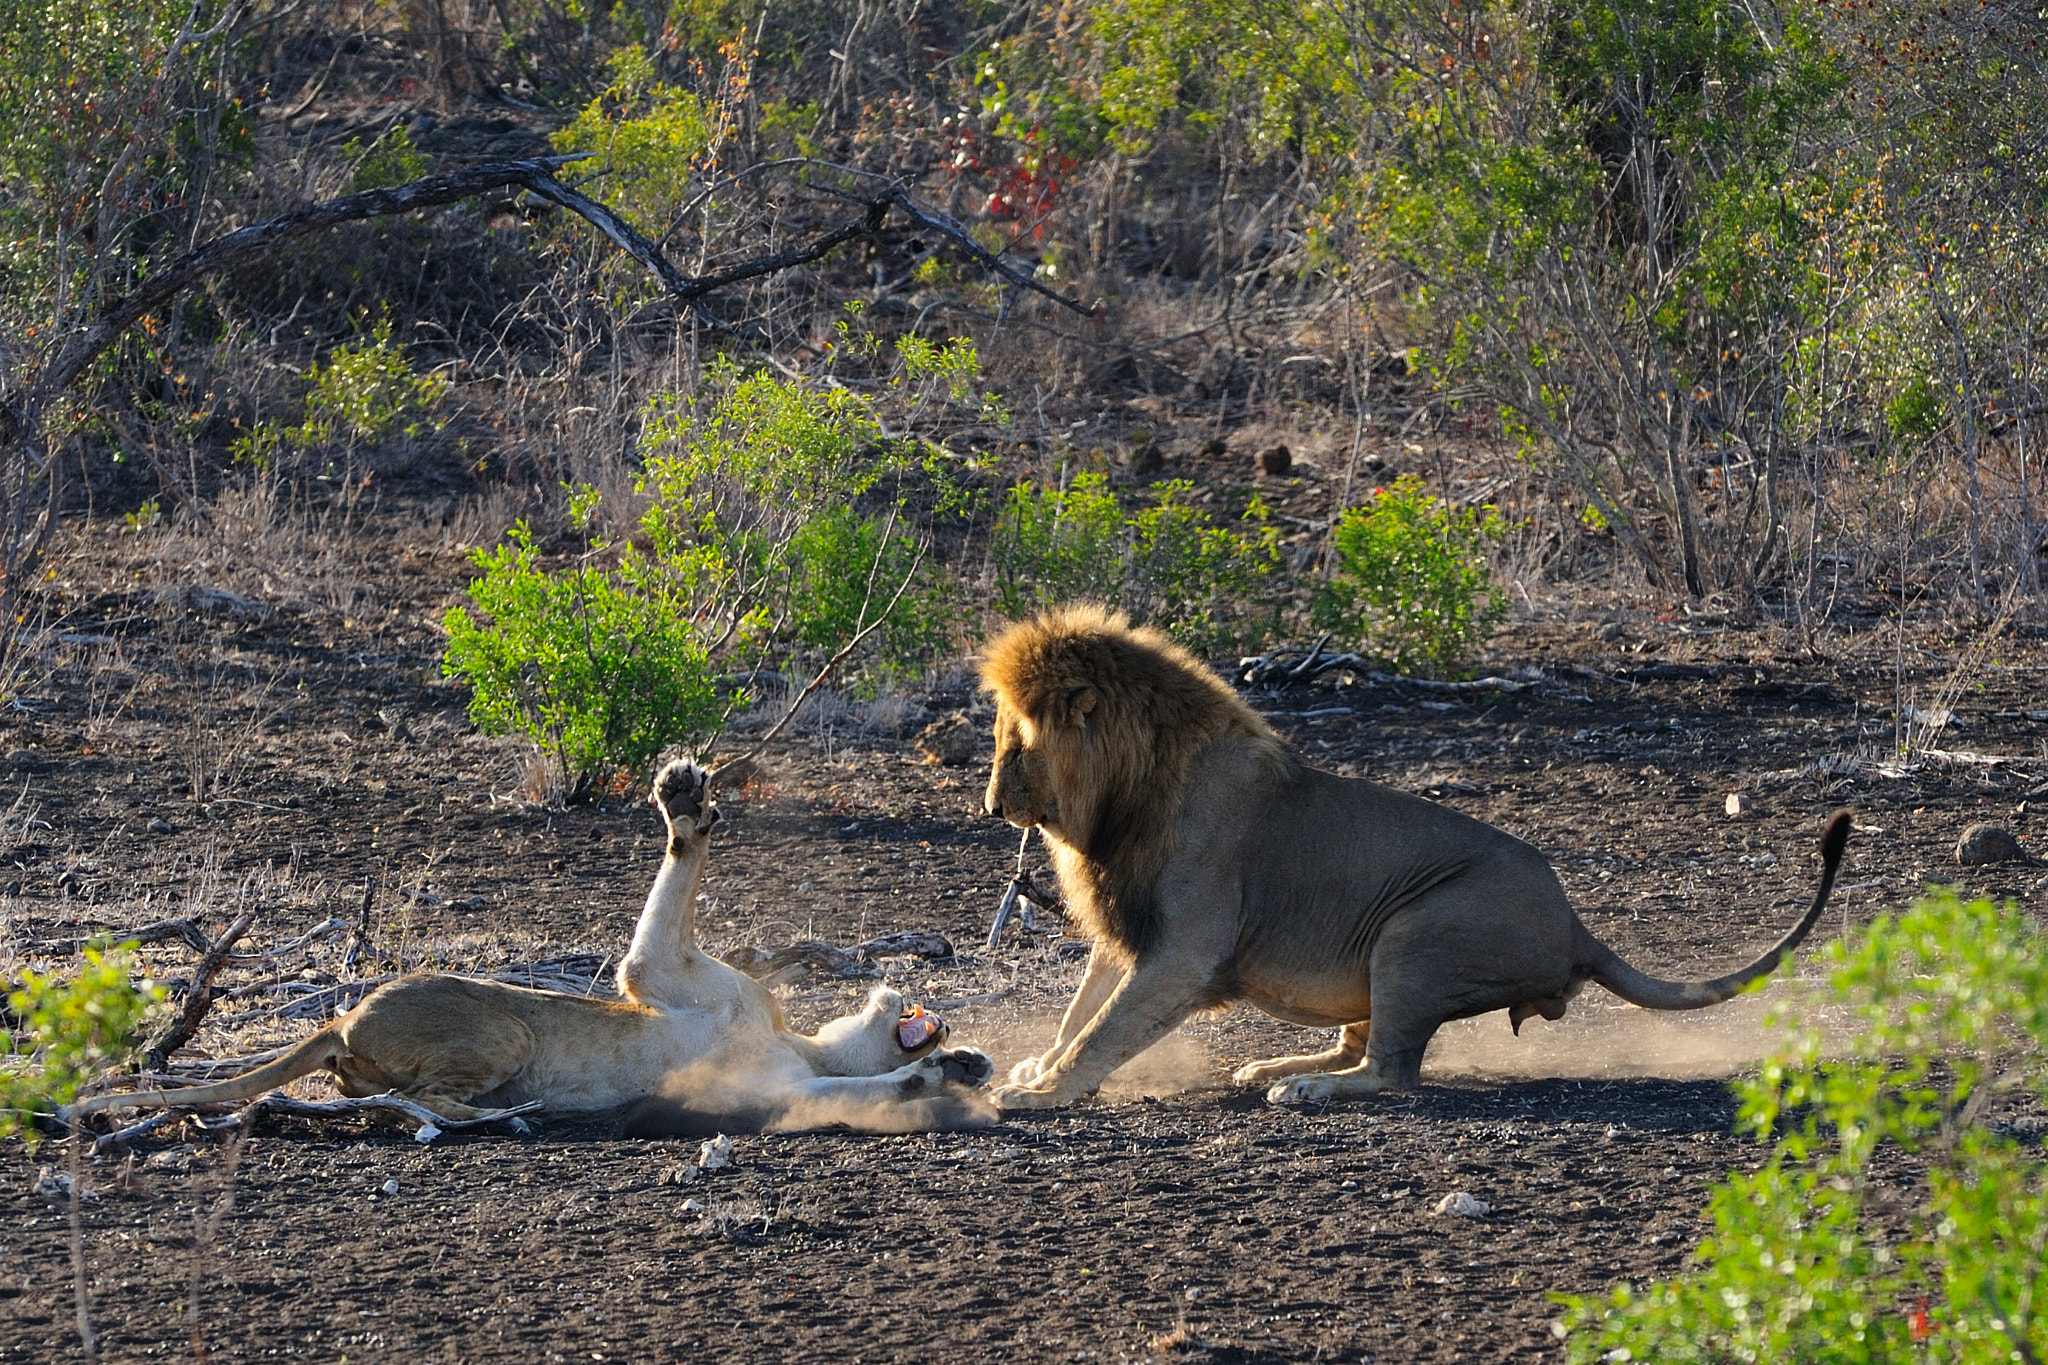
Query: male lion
x: 694, y: 1043
x: 1210, y: 865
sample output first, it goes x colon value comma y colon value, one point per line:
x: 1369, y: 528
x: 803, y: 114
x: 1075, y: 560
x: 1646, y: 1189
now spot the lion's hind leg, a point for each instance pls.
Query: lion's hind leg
x: 1350, y: 1050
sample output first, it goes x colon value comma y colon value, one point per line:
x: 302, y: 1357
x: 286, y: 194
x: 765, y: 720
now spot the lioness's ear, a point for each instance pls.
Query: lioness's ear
x: 1080, y: 702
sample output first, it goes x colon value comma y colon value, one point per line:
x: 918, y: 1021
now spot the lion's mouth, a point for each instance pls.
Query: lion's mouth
x: 917, y: 1027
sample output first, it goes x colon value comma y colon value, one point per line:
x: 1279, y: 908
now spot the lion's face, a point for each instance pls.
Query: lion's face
x: 1043, y: 768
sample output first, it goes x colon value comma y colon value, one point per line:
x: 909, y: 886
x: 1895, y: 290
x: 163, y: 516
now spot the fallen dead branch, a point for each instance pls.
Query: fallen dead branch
x: 793, y: 961
x: 198, y: 993
x: 1287, y: 666
x: 430, y: 1124
x: 183, y: 930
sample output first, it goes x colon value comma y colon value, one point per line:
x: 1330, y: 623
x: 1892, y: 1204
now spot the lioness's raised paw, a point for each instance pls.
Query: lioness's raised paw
x: 967, y: 1066
x: 679, y: 794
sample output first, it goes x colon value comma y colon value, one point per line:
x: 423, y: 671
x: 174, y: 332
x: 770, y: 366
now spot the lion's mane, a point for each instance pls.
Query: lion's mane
x: 1157, y: 706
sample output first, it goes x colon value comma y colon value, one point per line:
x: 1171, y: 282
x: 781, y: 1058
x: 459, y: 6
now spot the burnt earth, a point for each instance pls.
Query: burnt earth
x: 194, y: 760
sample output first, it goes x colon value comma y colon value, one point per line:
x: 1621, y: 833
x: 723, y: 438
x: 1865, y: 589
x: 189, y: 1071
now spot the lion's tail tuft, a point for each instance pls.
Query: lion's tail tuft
x: 1653, y: 993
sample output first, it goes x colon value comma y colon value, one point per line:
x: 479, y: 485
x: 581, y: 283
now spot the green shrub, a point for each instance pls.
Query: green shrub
x: 77, y: 1030
x: 1412, y: 584
x: 1950, y: 1006
x: 775, y: 529
x: 366, y: 392
x: 597, y: 666
x: 1167, y: 564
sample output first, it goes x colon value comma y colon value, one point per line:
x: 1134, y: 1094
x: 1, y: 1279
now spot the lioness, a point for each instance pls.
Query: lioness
x: 693, y: 1044
x: 1210, y: 865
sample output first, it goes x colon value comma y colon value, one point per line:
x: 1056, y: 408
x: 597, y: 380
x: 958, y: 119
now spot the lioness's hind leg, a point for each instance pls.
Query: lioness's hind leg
x: 1349, y: 1051
x: 442, y: 1056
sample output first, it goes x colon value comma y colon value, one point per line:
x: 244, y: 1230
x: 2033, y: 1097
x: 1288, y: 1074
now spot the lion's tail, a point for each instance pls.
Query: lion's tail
x: 1654, y: 994
x: 318, y: 1052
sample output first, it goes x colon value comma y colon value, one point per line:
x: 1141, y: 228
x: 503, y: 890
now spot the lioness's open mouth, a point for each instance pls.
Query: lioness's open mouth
x: 917, y: 1027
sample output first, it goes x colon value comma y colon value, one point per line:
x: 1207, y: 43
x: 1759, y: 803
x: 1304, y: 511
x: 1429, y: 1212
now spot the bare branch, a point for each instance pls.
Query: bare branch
x: 198, y: 995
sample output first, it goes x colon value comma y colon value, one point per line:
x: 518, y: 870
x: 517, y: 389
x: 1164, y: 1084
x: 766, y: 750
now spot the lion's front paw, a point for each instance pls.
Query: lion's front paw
x: 967, y: 1066
x: 1027, y: 1071
x: 1302, y: 1090
x: 679, y: 794
x: 1010, y: 1098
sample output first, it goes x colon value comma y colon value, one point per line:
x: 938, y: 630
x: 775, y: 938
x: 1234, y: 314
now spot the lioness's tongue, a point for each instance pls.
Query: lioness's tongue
x: 916, y: 1028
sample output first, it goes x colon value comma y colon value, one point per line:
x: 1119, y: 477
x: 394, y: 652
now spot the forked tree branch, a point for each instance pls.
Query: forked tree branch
x: 23, y: 417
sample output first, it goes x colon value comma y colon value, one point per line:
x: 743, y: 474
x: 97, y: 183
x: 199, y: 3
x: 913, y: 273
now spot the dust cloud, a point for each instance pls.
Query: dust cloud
x: 1171, y: 1066
x: 1603, y: 1038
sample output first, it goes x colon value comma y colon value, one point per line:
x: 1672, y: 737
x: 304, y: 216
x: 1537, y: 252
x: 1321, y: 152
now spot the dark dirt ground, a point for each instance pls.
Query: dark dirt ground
x: 187, y: 755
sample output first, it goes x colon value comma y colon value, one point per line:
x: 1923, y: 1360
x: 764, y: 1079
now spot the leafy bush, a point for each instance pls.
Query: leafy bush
x: 76, y: 1030
x: 366, y: 392
x: 1168, y: 563
x: 776, y: 528
x: 1951, y: 1009
x: 597, y: 666
x: 1412, y: 584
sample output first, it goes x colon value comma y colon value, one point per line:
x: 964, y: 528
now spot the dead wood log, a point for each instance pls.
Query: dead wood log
x: 183, y: 930
x: 198, y: 994
x: 813, y: 955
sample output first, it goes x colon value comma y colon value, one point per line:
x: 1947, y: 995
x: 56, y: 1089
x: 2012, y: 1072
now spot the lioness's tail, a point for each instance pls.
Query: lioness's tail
x: 1654, y: 994
x: 316, y: 1053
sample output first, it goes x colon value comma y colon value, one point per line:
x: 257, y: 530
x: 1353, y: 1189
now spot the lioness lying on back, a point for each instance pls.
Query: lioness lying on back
x: 1210, y: 864
x: 693, y: 1044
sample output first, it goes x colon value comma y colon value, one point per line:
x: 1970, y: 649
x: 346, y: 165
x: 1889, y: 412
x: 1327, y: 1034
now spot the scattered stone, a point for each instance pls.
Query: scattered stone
x: 1276, y: 460
x: 425, y: 1133
x: 1611, y: 631
x: 715, y: 1154
x: 678, y: 1175
x: 1215, y: 447
x: 1983, y: 844
x: 1738, y: 805
x: 159, y: 825
x: 178, y: 1158
x: 1461, y: 1205
x: 948, y: 741
x: 52, y: 1183
x: 389, y: 1187
x: 693, y: 1206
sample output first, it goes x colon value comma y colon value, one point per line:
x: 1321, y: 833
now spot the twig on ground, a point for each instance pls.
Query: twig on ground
x: 198, y: 995
x: 426, y: 1119
x: 121, y: 1137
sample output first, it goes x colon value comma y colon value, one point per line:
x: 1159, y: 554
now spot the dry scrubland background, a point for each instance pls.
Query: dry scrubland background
x: 1735, y: 332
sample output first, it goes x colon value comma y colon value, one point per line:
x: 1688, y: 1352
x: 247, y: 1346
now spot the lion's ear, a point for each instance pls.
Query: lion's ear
x: 1080, y: 703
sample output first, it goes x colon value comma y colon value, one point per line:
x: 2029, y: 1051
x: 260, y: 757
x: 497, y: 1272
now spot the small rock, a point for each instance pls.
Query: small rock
x: 678, y: 1175
x: 1461, y: 1205
x: 716, y: 1154
x: 1276, y: 460
x: 426, y: 1133
x: 1145, y: 461
x: 1738, y: 805
x: 52, y: 1183
x: 178, y: 1158
x: 948, y: 741
x: 389, y: 1187
x: 1982, y: 844
x: 1215, y: 447
x: 159, y: 825
x: 693, y: 1206
x: 1611, y: 631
